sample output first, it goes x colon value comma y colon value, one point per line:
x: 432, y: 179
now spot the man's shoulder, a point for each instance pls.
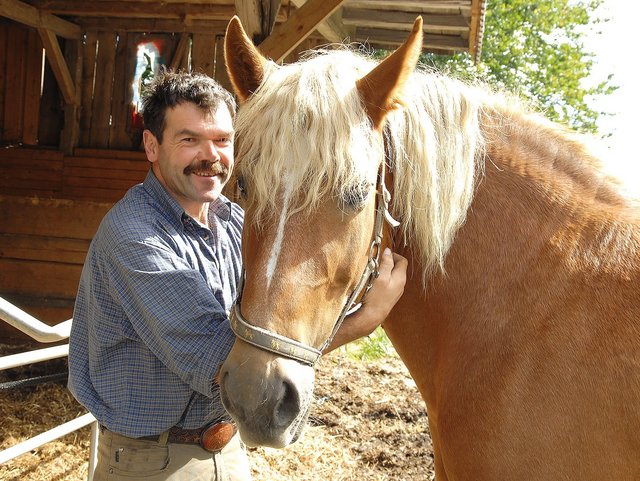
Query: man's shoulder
x: 134, y: 217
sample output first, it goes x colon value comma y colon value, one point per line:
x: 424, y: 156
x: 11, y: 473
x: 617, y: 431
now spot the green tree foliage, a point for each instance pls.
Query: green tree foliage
x: 534, y: 50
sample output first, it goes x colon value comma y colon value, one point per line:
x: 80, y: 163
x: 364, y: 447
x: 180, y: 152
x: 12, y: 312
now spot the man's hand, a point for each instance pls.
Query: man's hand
x: 385, y: 291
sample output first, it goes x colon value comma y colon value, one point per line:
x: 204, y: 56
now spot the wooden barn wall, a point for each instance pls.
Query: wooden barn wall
x: 51, y: 205
x: 32, y: 109
x: 52, y: 202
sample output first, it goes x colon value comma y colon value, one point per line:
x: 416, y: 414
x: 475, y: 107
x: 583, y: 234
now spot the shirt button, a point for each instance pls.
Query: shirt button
x: 206, y: 237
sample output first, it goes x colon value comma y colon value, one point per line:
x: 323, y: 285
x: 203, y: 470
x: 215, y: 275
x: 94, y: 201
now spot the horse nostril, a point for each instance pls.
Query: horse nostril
x: 288, y: 406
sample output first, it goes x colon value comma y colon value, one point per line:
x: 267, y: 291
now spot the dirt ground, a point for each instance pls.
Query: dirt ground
x: 367, y: 423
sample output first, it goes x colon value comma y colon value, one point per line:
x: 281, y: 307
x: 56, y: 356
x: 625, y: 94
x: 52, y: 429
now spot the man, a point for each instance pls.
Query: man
x: 150, y: 327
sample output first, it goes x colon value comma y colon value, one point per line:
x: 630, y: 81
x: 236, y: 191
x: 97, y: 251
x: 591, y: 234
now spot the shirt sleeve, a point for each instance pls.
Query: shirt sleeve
x: 172, y: 310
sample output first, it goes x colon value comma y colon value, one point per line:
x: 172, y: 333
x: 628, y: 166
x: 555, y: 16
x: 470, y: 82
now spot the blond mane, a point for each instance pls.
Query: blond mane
x: 309, y: 132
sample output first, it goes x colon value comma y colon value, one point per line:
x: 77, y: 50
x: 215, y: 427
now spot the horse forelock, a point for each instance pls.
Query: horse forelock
x: 306, y: 125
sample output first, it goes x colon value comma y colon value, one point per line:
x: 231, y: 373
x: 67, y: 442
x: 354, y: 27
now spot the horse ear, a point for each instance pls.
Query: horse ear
x: 381, y: 89
x: 245, y: 64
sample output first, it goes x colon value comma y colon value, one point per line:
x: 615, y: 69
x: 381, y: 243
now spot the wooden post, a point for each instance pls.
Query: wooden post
x: 70, y: 135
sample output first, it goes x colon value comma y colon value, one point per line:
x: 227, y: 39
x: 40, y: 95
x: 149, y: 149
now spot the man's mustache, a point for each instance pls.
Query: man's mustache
x: 212, y: 168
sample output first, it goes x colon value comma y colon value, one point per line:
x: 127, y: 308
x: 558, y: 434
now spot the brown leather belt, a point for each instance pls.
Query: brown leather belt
x: 212, y: 437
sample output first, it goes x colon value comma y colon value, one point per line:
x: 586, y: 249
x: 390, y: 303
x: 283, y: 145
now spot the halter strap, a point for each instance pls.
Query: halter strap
x: 292, y: 349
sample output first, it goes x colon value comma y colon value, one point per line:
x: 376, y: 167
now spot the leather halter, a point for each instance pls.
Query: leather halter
x: 292, y: 349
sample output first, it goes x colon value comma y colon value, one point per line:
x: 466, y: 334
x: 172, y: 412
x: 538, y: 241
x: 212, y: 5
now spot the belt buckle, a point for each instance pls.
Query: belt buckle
x: 217, y: 436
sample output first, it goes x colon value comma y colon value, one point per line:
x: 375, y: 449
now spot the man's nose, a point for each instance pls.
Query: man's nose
x: 210, y: 150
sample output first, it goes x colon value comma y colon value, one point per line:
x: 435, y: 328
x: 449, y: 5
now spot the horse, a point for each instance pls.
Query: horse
x: 520, y: 318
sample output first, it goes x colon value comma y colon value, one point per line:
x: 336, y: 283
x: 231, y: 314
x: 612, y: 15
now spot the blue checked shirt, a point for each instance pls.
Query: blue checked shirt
x: 150, y: 326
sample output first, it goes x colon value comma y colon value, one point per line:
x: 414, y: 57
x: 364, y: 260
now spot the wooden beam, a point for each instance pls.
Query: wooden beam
x: 70, y: 135
x: 454, y: 24
x: 258, y: 17
x: 418, y: 6
x: 221, y: 75
x: 476, y: 31
x: 301, y: 24
x: 154, y: 25
x: 203, y: 52
x: 58, y: 65
x: 103, y: 93
x: 181, y: 51
x: 128, y: 9
x: 393, y: 38
x: 33, y: 64
x: 332, y: 28
x: 28, y: 15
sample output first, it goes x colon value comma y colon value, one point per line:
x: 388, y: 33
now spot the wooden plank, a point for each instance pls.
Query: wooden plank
x: 51, y: 217
x: 105, y: 64
x: 332, y: 28
x: 70, y: 135
x: 385, y: 38
x: 128, y: 9
x: 17, y: 163
x: 92, y: 193
x: 115, y: 165
x: 221, y: 75
x: 58, y: 64
x: 120, y: 184
x: 51, y: 110
x: 476, y: 30
x: 182, y: 51
x: 27, y: 171
x: 39, y: 248
x: 31, y: 153
x: 33, y: 78
x: 45, y: 278
x: 249, y: 12
x: 119, y: 137
x: 100, y: 176
x: 3, y: 74
x: 453, y: 24
x: 88, y: 76
x: 417, y: 6
x: 258, y: 17
x: 202, y: 53
x: 33, y: 17
x: 17, y: 190
x: 301, y: 24
x: 111, y: 154
x: 25, y: 182
x: 15, y: 81
x: 155, y: 25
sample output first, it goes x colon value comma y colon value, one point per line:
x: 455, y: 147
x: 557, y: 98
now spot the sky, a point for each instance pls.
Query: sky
x: 617, y: 53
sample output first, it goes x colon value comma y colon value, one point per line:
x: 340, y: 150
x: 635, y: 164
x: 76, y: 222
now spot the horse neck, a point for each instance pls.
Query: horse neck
x: 542, y: 202
x: 541, y: 221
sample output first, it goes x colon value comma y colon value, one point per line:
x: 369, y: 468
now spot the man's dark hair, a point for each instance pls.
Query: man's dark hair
x: 169, y: 89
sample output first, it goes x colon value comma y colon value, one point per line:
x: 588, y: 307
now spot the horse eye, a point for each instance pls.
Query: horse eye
x: 242, y: 187
x: 353, y: 198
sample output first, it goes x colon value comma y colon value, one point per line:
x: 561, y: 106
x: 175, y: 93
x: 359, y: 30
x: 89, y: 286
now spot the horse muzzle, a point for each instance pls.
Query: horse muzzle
x: 268, y: 396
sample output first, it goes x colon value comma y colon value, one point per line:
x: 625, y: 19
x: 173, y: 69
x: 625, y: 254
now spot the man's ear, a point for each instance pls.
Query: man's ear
x: 150, y: 145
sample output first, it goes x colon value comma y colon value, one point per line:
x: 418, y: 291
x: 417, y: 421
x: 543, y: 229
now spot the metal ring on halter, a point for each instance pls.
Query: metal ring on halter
x: 292, y: 349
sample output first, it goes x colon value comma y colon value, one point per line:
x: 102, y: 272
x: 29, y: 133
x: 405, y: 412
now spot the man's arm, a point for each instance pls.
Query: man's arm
x: 385, y: 292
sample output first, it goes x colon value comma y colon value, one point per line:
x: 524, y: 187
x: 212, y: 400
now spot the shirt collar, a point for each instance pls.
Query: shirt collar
x: 220, y: 208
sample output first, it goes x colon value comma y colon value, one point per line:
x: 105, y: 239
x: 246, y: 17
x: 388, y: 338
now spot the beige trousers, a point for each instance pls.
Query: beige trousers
x: 121, y: 458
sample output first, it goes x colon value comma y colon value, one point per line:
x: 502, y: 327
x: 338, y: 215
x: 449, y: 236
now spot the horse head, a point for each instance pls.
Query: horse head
x: 310, y: 167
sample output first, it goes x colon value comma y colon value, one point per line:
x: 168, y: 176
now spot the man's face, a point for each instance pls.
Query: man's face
x: 195, y: 158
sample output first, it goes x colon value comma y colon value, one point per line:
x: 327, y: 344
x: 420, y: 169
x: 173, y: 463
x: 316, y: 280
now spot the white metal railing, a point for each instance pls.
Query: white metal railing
x: 31, y: 326
x: 42, y: 332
